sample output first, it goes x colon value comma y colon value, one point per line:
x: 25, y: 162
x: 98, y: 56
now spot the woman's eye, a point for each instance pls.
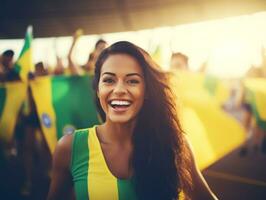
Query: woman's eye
x: 133, y: 81
x: 108, y: 80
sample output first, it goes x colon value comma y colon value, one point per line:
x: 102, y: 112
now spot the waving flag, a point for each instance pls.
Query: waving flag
x: 12, y: 96
x: 64, y: 103
x: 212, y: 132
x: 24, y: 64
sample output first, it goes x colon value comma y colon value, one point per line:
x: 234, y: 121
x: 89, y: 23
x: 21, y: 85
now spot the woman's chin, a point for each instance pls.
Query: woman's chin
x: 120, y: 119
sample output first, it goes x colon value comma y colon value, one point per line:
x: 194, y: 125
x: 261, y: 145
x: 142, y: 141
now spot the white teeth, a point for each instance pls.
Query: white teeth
x: 120, y: 103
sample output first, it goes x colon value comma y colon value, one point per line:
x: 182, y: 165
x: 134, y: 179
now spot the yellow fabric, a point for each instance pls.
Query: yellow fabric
x: 258, y: 88
x: 182, y: 196
x: 41, y: 91
x: 212, y: 132
x: 26, y: 63
x: 99, y: 176
x: 197, y: 135
x: 185, y: 82
x: 157, y: 55
x: 222, y: 92
x: 16, y: 95
x: 221, y: 130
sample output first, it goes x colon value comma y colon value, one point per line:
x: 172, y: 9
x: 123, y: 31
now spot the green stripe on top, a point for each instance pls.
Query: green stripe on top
x: 126, y: 189
x: 2, y: 99
x: 73, y: 102
x: 80, y: 164
x: 91, y: 177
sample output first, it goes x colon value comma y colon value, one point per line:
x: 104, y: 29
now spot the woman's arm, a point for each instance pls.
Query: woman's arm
x: 61, y: 186
x: 201, y: 189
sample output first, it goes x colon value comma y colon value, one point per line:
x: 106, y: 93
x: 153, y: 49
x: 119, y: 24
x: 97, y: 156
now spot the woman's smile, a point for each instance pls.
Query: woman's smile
x: 120, y: 105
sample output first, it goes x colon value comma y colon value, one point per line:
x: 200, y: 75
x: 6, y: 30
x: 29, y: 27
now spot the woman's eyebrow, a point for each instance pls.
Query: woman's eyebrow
x: 134, y: 74
x: 130, y: 74
x: 108, y: 73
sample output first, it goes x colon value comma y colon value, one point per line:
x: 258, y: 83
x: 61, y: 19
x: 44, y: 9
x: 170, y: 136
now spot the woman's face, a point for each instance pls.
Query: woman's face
x: 121, y: 88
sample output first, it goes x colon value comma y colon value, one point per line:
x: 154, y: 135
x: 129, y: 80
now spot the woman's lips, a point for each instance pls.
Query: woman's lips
x: 120, y: 105
x: 120, y: 108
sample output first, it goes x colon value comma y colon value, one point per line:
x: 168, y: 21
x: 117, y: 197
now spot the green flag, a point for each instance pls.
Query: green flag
x: 64, y: 103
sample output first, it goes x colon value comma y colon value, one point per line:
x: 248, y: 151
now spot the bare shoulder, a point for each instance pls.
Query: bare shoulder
x: 61, y: 183
x: 62, y: 154
x: 65, y: 142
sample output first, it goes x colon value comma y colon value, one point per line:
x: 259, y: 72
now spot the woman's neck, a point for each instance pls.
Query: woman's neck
x: 116, y: 133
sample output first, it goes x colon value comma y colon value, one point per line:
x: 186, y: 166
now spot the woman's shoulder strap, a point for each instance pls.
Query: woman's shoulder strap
x: 79, y: 146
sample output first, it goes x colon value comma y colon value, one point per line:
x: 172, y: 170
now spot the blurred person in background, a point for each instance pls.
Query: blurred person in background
x: 89, y: 66
x: 33, y: 153
x: 40, y: 69
x: 74, y: 69
x: 255, y: 134
x: 99, y: 47
x: 59, y: 68
x: 179, y: 61
x: 7, y: 71
x: 246, y: 119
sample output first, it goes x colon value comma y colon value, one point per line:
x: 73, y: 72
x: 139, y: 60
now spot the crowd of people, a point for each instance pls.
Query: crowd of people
x: 9, y: 73
x: 27, y: 158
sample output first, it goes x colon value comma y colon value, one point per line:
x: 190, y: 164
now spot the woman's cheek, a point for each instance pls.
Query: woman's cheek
x: 102, y: 95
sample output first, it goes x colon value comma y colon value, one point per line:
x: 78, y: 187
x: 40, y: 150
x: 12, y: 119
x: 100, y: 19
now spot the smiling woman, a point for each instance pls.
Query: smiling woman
x: 140, y: 151
x: 121, y: 88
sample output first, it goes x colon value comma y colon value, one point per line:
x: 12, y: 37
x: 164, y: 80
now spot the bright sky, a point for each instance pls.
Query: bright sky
x: 230, y: 45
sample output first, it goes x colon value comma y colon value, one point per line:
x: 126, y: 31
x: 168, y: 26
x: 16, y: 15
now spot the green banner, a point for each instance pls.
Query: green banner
x: 64, y: 103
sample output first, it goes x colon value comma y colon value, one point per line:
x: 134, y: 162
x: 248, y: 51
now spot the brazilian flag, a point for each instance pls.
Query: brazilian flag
x: 212, y: 132
x: 64, y: 103
x: 24, y: 64
x: 12, y: 96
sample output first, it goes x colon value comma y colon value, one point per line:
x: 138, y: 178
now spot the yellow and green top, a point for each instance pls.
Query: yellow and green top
x: 91, y: 176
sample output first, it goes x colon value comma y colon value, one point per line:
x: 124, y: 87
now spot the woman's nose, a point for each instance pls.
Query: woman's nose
x: 120, y: 88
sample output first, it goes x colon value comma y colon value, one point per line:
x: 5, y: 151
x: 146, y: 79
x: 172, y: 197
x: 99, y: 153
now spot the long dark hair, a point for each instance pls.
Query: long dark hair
x: 160, y: 156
